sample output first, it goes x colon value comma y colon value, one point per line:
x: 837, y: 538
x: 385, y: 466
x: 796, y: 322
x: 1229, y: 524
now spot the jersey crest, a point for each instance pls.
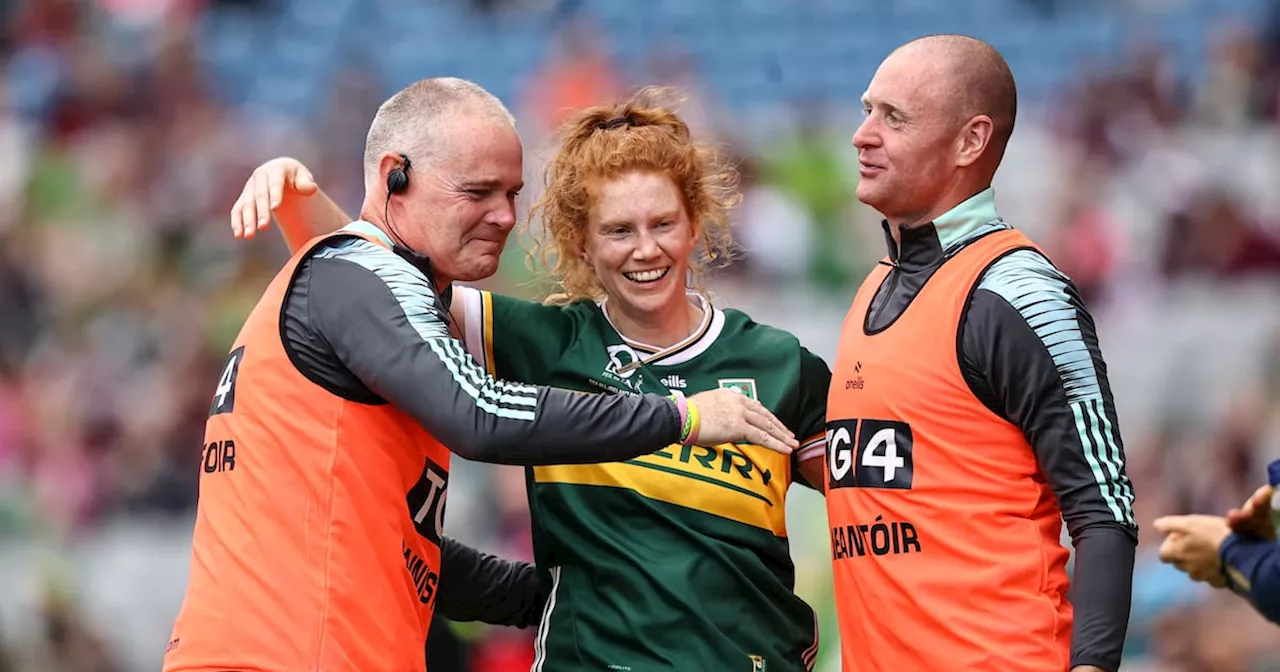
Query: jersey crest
x: 744, y: 386
x: 621, y: 368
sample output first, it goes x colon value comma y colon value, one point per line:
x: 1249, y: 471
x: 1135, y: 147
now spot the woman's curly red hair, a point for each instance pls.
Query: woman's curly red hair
x: 607, y: 141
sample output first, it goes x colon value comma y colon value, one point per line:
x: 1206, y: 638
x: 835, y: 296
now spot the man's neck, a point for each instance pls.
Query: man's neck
x: 957, y: 193
x: 663, y: 329
x: 374, y: 217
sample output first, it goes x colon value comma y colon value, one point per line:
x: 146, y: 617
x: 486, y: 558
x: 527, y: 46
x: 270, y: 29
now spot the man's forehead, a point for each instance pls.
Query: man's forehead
x: 487, y: 175
x: 472, y: 132
x: 905, y: 78
x: 484, y: 154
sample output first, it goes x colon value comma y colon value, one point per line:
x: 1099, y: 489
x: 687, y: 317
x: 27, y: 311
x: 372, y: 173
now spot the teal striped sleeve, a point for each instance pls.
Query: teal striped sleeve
x: 1060, y: 397
x: 421, y: 312
x: 380, y: 318
x: 1029, y: 351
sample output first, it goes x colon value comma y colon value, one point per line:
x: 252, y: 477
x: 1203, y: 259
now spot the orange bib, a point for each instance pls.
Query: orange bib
x: 317, y: 535
x: 945, y: 535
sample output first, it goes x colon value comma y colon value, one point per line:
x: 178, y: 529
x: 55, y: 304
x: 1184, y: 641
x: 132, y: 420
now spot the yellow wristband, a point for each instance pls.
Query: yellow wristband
x: 694, y: 423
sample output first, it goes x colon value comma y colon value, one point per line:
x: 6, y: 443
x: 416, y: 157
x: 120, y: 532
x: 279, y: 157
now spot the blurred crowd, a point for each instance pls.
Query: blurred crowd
x: 121, y: 288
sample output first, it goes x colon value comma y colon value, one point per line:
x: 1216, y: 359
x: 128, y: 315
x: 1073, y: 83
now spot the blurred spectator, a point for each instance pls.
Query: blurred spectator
x: 1081, y: 114
x: 352, y: 103
x: 1269, y: 68
x: 65, y: 641
x: 1156, y: 88
x: 671, y: 67
x: 1087, y: 244
x: 20, y: 303
x: 1116, y: 114
x: 1159, y: 590
x: 578, y: 73
x: 810, y: 167
x: 774, y: 231
x: 1213, y: 237
x: 1230, y: 95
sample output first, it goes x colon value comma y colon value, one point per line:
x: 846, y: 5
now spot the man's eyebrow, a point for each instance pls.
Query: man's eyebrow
x: 868, y: 102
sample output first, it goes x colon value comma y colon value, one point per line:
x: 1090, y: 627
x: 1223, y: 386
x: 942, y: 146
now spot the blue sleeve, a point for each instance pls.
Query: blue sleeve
x: 1253, y: 570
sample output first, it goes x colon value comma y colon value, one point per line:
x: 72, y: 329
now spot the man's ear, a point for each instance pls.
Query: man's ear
x: 388, y: 162
x: 973, y: 140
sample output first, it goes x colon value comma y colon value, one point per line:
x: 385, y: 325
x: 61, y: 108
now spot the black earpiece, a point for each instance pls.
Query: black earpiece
x: 398, y: 178
x: 397, y: 182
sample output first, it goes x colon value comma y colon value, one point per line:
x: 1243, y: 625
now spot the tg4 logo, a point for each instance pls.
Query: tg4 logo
x: 869, y: 454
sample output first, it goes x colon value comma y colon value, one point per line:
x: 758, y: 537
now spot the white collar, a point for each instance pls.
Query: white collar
x: 697, y: 342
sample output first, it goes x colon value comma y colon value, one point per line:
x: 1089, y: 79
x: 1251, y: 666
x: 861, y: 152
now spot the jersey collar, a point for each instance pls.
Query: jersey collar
x: 927, y: 244
x: 418, y: 261
x: 366, y: 228
x: 697, y: 342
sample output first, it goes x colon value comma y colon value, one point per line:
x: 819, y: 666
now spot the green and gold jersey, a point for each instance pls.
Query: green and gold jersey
x: 677, y: 560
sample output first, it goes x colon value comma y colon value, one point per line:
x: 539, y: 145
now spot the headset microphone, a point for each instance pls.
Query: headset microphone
x: 398, y: 178
x: 398, y: 183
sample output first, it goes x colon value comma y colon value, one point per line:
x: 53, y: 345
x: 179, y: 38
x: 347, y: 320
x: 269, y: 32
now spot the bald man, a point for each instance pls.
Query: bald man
x: 319, y: 539
x: 969, y: 412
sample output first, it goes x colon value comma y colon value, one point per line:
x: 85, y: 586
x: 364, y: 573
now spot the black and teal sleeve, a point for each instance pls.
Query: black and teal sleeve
x: 366, y: 323
x: 1029, y: 351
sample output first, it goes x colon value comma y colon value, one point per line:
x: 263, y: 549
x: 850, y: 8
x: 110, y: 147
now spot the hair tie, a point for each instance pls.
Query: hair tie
x: 616, y: 122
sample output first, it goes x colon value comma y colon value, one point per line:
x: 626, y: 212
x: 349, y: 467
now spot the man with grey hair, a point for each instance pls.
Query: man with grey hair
x: 411, y: 132
x: 469, y: 156
x: 419, y: 109
x: 319, y: 539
